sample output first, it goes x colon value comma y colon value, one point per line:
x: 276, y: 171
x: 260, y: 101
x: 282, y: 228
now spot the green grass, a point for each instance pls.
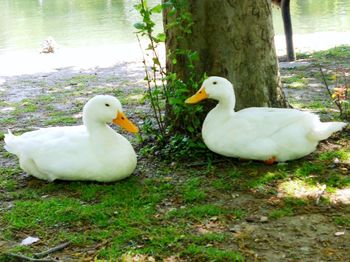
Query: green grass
x: 222, y: 184
x: 200, y: 211
x: 297, y: 81
x: 25, y: 106
x: 321, y: 106
x: 266, y: 179
x: 45, y: 99
x: 206, y: 238
x: 127, y: 207
x: 137, y: 96
x: 28, y: 107
x: 342, y: 220
x: 339, y: 52
x: 282, y: 212
x: 8, y: 184
x: 203, y: 253
x: 60, y: 120
x: 122, y: 213
x: 8, y: 181
x: 8, y: 120
x: 192, y: 191
x: 332, y: 155
x: 9, y: 171
x: 294, y: 202
x: 81, y: 79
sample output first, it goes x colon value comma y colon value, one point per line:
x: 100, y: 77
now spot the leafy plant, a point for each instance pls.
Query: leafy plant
x: 175, y: 127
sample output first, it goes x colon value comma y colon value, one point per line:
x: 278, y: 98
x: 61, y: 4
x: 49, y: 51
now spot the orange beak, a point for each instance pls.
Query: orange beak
x: 197, y: 97
x: 122, y: 121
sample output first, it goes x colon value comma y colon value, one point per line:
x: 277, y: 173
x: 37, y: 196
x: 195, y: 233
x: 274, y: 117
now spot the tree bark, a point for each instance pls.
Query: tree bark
x: 235, y: 40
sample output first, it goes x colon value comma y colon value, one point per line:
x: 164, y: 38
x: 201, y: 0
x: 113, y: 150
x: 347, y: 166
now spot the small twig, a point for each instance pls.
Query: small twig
x: 325, y: 82
x: 52, y: 250
x: 330, y: 93
x: 25, y: 258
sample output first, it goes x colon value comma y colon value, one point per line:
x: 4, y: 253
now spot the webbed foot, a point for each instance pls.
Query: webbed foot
x: 270, y: 161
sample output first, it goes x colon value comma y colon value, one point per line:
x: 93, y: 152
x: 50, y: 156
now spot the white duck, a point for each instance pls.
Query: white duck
x: 258, y: 133
x: 92, y: 151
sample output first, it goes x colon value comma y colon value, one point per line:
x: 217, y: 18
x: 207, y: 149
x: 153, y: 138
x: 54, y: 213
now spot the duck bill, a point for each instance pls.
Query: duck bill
x: 197, y: 97
x: 122, y: 121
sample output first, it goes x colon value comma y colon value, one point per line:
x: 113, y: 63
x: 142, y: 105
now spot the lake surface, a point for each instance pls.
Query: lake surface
x: 24, y: 24
x: 309, y: 16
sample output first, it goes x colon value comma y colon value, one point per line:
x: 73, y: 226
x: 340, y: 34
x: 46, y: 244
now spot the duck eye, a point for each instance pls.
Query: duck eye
x: 214, y: 83
x: 106, y: 104
x: 123, y: 118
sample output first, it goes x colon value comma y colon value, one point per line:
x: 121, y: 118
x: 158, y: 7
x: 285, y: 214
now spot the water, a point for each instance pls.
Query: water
x: 309, y: 16
x: 24, y: 24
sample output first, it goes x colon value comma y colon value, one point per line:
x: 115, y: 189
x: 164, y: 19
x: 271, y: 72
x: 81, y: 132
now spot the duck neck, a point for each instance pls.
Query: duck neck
x: 96, y: 129
x: 226, y: 104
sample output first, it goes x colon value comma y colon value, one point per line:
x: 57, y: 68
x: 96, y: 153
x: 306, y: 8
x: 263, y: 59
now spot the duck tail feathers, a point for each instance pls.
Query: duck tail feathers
x: 9, y: 138
x: 325, y: 130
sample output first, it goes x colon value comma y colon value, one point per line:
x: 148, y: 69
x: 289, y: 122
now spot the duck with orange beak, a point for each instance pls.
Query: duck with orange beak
x: 92, y: 151
x: 258, y: 133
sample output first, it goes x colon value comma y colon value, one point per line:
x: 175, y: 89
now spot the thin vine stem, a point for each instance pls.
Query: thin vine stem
x: 330, y: 93
x: 157, y: 115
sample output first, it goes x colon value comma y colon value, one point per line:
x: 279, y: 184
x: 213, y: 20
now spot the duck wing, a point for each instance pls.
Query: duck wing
x: 266, y: 122
x: 56, y: 150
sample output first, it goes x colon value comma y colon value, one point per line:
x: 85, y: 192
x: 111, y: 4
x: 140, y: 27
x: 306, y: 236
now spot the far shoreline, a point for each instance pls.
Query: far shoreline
x: 32, y: 62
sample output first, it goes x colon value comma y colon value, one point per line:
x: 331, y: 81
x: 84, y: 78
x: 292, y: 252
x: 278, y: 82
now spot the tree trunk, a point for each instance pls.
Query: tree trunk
x: 235, y: 40
x: 288, y: 29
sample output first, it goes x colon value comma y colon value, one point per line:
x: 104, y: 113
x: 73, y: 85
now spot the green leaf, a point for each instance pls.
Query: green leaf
x: 138, y: 7
x: 167, y: 4
x: 139, y: 26
x: 175, y: 101
x: 172, y: 12
x: 157, y: 9
x: 160, y: 37
x: 190, y: 129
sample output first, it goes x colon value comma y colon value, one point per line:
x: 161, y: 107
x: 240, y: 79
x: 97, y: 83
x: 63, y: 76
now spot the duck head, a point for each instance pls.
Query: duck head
x: 214, y: 87
x: 106, y: 109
